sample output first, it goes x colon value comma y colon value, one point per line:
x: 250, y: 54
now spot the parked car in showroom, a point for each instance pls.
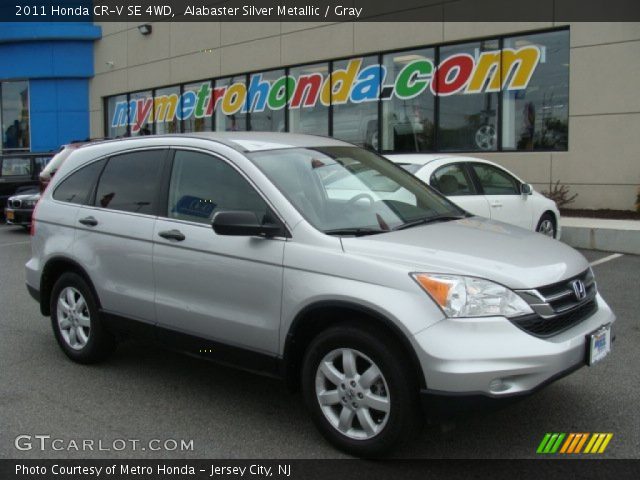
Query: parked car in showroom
x: 20, y: 208
x: 485, y: 189
x: 229, y: 246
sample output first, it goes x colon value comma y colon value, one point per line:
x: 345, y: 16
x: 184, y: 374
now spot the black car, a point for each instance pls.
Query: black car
x: 19, y: 174
x: 19, y: 209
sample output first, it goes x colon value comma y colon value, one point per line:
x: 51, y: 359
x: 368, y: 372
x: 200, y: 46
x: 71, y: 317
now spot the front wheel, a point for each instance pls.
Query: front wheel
x: 359, y: 393
x: 547, y: 225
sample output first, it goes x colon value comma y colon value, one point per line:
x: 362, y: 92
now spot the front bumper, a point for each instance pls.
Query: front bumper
x: 492, y: 358
x: 18, y: 216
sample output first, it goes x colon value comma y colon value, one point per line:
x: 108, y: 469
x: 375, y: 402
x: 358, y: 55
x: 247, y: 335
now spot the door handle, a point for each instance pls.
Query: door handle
x: 89, y: 221
x: 172, y: 235
x: 496, y: 205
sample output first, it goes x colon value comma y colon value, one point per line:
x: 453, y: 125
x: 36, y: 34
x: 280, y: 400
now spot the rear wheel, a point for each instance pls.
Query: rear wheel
x: 547, y: 225
x: 359, y: 395
x: 76, y: 322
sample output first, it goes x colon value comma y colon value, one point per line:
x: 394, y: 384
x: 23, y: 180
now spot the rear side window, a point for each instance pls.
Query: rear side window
x: 130, y: 182
x: 451, y: 180
x: 78, y: 186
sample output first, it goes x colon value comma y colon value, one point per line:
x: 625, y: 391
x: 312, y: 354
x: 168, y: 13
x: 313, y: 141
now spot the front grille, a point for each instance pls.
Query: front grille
x: 557, y: 306
x: 546, y: 327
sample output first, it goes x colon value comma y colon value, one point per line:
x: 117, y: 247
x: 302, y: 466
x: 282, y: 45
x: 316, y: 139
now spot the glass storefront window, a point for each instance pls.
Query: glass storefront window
x: 355, y: 111
x: 408, y: 115
x: 194, y: 104
x: 14, y: 114
x: 117, y: 116
x: 307, y: 112
x: 537, y: 117
x: 468, y: 121
x: 505, y: 93
x: 165, y: 110
x: 266, y: 100
x: 230, y: 101
x: 141, y: 113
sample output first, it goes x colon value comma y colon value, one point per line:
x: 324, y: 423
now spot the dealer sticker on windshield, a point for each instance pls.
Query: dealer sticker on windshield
x: 599, y: 344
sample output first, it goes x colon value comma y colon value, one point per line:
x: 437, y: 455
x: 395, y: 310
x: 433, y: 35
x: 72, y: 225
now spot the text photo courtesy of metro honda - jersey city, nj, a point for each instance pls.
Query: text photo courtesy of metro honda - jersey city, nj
x: 252, y: 239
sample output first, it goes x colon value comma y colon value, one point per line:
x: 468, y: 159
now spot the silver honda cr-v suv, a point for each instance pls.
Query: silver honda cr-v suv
x: 313, y: 260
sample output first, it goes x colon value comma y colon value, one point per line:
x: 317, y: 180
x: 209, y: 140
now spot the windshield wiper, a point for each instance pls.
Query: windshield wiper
x: 426, y: 220
x: 358, y: 232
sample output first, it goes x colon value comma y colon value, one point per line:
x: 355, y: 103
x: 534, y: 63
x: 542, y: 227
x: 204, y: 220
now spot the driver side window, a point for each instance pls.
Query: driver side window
x: 495, y: 181
x: 202, y: 185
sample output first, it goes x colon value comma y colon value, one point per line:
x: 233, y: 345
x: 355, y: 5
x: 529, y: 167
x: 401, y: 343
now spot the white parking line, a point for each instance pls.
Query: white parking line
x: 16, y: 243
x: 606, y: 259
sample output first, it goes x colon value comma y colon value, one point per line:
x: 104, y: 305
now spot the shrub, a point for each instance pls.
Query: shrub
x: 560, y: 194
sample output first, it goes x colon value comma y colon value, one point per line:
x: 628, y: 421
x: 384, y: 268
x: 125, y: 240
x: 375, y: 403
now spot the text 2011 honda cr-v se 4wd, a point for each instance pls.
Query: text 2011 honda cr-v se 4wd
x: 314, y: 260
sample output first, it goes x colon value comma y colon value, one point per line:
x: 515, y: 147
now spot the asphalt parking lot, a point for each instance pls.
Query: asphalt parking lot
x: 145, y: 393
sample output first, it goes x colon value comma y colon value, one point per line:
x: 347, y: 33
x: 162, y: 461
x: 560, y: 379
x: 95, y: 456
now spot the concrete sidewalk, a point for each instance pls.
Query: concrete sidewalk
x: 622, y: 236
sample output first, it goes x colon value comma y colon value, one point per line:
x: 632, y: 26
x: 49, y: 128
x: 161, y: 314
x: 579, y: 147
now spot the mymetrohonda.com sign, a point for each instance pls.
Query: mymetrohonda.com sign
x: 492, y: 71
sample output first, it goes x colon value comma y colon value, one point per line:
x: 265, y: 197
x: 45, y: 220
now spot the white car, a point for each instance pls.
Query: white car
x: 485, y: 189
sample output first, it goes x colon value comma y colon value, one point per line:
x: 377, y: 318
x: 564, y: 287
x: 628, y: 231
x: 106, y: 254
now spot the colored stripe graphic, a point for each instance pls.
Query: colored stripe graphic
x: 567, y: 443
x: 573, y: 443
x: 550, y: 443
x: 607, y: 439
x: 581, y: 443
x: 543, y: 443
x: 598, y: 442
x: 594, y: 437
x: 556, y: 446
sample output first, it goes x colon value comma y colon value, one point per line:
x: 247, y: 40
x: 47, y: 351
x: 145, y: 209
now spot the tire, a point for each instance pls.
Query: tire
x: 395, y: 388
x: 79, y: 331
x: 547, y: 225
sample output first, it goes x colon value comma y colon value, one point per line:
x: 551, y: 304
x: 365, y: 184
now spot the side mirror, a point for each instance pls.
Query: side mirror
x: 243, y: 223
x: 525, y: 189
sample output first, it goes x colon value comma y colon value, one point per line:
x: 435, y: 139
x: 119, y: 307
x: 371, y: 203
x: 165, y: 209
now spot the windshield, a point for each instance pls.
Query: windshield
x: 351, y: 190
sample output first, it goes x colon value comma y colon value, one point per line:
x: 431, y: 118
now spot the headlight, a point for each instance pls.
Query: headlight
x: 471, y: 297
x: 29, y: 203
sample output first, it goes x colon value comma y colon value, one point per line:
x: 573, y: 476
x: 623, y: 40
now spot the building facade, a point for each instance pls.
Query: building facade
x: 44, y: 84
x: 552, y: 102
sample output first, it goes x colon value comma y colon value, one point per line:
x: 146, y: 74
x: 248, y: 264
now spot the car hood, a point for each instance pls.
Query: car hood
x: 475, y: 246
x: 25, y: 196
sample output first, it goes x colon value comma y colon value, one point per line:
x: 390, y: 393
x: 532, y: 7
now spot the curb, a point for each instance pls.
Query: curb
x: 602, y: 238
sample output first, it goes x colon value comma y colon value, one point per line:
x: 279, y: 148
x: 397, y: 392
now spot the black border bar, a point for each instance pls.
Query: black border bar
x: 320, y: 11
x: 320, y: 469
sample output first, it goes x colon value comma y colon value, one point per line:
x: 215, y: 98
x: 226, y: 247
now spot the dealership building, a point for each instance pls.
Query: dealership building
x: 44, y: 84
x: 551, y: 102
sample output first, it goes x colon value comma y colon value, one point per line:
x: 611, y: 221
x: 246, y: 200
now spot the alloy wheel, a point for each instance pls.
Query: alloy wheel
x: 352, y: 393
x: 486, y: 137
x: 546, y: 228
x: 74, y: 319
